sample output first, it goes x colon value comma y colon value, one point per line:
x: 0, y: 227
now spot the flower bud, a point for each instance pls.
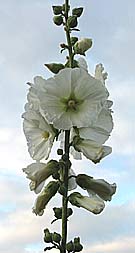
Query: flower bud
x: 69, y: 212
x: 55, y: 67
x: 78, y: 247
x: 81, y: 46
x: 73, y: 40
x: 72, y: 21
x: 60, y: 151
x: 56, y: 237
x: 58, y: 20
x: 57, y: 10
x: 70, y: 246
x: 44, y: 197
x: 47, y: 236
x: 57, y: 212
x: 77, y: 11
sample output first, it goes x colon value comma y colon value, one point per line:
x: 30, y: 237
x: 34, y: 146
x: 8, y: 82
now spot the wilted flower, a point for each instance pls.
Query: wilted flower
x: 93, y: 204
x: 96, y: 186
x: 39, y: 172
x: 44, y: 197
x: 72, y: 98
x: 39, y: 134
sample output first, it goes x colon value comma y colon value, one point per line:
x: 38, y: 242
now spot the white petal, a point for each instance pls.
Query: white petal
x: 83, y: 63
x: 72, y: 181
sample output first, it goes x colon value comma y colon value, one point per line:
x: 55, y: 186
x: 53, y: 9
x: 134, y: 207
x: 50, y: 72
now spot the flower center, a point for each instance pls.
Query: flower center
x: 45, y: 135
x: 72, y: 104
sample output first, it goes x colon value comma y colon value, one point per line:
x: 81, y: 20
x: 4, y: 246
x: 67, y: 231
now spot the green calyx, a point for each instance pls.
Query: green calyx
x: 55, y: 67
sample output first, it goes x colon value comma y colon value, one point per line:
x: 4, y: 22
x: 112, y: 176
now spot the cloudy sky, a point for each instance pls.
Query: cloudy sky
x: 28, y: 40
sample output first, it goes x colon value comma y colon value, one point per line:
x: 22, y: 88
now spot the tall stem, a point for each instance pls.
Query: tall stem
x: 66, y: 148
x: 64, y: 199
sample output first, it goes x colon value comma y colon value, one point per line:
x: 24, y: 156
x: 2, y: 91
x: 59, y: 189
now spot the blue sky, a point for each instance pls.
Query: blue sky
x: 28, y: 40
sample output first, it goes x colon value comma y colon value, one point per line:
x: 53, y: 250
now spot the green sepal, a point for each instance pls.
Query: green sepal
x: 47, y: 236
x: 77, y: 11
x: 75, y: 64
x: 55, y: 67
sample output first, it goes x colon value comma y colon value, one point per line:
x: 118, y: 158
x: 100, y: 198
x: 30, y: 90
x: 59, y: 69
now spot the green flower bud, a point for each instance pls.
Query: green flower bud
x: 69, y: 212
x: 78, y: 247
x: 77, y: 11
x: 56, y: 237
x: 62, y: 190
x: 73, y: 40
x: 58, y: 20
x: 55, y: 67
x: 59, y: 151
x: 57, y: 10
x: 57, y: 212
x: 70, y: 246
x: 72, y: 21
x: 47, y: 236
x: 81, y: 46
x: 77, y: 240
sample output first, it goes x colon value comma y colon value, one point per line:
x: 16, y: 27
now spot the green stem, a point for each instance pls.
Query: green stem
x: 64, y: 199
x: 67, y: 146
x: 68, y: 34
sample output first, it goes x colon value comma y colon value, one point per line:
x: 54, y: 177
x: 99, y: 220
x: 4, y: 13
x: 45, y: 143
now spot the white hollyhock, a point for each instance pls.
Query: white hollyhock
x: 91, y: 149
x: 82, y: 63
x: 72, y: 98
x: 39, y: 134
x: 93, y: 204
x: 90, y: 139
x: 39, y: 172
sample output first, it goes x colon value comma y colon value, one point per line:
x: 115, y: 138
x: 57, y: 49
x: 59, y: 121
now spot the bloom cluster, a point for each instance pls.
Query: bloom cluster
x: 71, y: 100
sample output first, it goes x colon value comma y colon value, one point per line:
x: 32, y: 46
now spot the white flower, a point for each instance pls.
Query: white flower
x: 96, y: 186
x: 100, y: 130
x: 92, y: 150
x: 99, y: 74
x: 90, y: 139
x: 39, y: 172
x: 93, y: 204
x: 39, y: 134
x: 72, y: 98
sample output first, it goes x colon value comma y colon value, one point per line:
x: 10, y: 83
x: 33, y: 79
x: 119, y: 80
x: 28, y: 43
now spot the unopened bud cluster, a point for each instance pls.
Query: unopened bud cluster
x: 74, y: 246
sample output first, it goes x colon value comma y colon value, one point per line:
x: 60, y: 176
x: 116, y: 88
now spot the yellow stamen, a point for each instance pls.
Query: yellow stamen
x: 45, y: 135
